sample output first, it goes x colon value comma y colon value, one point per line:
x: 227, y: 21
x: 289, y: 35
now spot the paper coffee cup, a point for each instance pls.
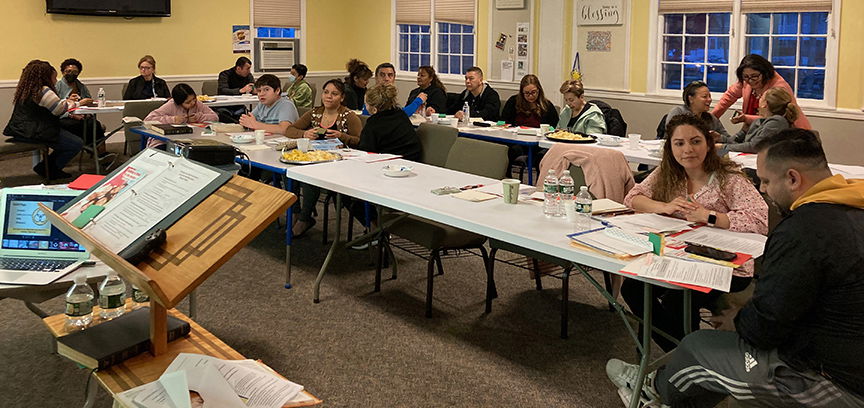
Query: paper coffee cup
x: 511, y: 190
x: 259, y: 136
x: 303, y: 144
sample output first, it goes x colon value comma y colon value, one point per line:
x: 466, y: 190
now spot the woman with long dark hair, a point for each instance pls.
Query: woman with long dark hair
x: 529, y: 107
x: 36, y: 117
x: 429, y: 84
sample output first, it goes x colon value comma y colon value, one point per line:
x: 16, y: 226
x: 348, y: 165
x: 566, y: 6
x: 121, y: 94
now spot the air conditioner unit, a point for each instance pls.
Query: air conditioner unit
x: 276, y: 55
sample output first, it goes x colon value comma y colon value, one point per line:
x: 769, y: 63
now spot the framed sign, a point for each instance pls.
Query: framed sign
x: 509, y: 4
x: 600, y: 12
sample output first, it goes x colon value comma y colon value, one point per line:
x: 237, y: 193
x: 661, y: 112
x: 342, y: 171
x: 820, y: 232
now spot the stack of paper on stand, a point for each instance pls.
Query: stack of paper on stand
x: 680, y: 271
x: 606, y: 206
x: 613, y: 241
x: 655, y: 223
x: 740, y: 242
x: 208, y: 381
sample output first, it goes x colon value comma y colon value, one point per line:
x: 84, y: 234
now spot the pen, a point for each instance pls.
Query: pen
x: 469, y: 187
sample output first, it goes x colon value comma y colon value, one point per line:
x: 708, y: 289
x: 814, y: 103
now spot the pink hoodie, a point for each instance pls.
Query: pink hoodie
x: 166, y: 113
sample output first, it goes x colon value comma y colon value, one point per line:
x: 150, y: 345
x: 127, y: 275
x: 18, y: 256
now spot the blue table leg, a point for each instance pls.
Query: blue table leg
x: 289, y: 236
x: 530, y: 165
x: 143, y: 142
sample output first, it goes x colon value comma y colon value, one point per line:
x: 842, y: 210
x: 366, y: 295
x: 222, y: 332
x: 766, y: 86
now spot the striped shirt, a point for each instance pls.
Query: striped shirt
x: 49, y: 100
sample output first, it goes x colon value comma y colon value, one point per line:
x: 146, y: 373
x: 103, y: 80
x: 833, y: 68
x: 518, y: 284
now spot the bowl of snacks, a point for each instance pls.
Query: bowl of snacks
x: 396, y: 170
x: 569, y: 137
x: 295, y: 156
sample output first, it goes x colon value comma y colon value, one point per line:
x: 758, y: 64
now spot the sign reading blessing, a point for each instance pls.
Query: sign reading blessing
x: 600, y: 12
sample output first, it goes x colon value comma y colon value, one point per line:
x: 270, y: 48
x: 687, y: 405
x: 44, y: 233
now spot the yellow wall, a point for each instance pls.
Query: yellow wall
x: 850, y: 70
x: 338, y: 30
x: 196, y: 39
x: 639, y: 38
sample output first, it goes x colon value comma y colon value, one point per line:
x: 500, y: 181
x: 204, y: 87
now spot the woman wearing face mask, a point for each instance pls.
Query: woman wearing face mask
x: 694, y: 183
x: 184, y: 107
x: 70, y: 87
x: 755, y: 76
x: 697, y: 102
x: 146, y: 85
x: 339, y: 122
x: 355, y: 83
x: 776, y: 112
x: 579, y: 115
x: 529, y: 107
x: 429, y: 84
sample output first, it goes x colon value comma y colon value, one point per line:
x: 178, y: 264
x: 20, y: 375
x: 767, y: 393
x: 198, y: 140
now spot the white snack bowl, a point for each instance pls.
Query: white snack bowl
x: 392, y: 170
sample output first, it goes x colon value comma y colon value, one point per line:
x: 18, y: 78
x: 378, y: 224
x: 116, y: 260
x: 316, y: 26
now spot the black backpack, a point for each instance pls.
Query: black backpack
x: 615, y: 124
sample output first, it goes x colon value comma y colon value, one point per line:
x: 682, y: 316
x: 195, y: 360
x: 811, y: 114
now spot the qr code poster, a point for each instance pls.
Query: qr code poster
x: 599, y: 41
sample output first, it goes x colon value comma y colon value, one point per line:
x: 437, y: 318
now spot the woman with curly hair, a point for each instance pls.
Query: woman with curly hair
x: 529, y: 107
x: 696, y: 184
x: 355, y: 83
x: 36, y: 118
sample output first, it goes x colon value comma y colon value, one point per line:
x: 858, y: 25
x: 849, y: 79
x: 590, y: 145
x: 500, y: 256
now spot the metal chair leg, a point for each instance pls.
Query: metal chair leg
x: 491, y: 291
x: 565, y: 300
x: 537, y: 275
x: 379, y: 264
x: 440, y: 267
x: 430, y: 267
x: 326, y: 221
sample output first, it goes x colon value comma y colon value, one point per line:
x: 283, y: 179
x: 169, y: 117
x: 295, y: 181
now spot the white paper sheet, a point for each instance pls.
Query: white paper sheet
x: 746, y: 243
x: 677, y: 270
x: 648, y: 223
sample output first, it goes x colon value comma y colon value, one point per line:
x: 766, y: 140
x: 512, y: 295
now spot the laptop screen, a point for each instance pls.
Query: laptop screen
x: 26, y: 226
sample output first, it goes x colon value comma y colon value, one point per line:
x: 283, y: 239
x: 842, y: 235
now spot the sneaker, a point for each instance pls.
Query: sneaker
x: 624, y: 375
x: 364, y: 246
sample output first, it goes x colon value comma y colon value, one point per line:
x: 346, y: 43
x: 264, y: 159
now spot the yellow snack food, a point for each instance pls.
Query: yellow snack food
x: 312, y: 155
x: 563, y: 134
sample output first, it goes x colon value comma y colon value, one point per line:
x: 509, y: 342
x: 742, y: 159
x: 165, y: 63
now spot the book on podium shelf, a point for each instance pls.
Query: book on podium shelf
x: 166, y: 129
x: 115, y: 341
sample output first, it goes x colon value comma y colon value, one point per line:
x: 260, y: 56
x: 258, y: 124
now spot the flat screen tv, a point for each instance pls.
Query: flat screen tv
x: 121, y: 8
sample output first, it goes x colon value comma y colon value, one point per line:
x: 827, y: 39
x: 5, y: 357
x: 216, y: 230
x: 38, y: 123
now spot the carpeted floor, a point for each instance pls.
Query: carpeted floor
x: 358, y: 348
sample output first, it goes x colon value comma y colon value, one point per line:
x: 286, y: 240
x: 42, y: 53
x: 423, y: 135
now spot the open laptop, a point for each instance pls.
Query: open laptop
x: 34, y: 252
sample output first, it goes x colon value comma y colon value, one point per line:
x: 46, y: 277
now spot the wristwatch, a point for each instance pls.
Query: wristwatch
x: 712, y: 218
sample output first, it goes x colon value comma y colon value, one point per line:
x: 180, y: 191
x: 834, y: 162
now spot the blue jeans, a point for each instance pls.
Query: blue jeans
x: 64, y: 149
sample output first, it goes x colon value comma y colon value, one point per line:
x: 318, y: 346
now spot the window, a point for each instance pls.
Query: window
x: 435, y: 32
x: 277, y: 32
x: 793, y: 35
x: 276, y: 18
x: 796, y: 44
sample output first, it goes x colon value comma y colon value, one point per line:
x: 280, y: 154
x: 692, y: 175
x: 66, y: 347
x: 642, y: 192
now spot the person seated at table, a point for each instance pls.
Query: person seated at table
x: 388, y: 129
x: 236, y: 80
x: 694, y: 183
x: 385, y: 73
x: 755, y: 76
x: 146, y: 85
x: 777, y: 112
x: 355, y: 83
x: 36, y: 118
x: 184, y: 107
x: 274, y: 113
x: 429, y: 84
x: 697, y: 101
x: 299, y: 91
x: 799, y: 341
x: 529, y: 107
x: 340, y: 123
x: 483, y: 101
x: 579, y: 115
x: 70, y: 87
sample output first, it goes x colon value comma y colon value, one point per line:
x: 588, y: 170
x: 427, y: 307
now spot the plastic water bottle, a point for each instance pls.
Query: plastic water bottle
x: 583, y: 208
x: 139, y: 297
x: 100, y: 98
x: 466, y: 114
x: 112, y: 292
x: 565, y: 193
x: 79, y: 304
x: 550, y: 195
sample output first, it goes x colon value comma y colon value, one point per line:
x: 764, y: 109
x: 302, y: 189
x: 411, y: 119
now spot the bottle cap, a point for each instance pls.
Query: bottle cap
x: 583, y: 188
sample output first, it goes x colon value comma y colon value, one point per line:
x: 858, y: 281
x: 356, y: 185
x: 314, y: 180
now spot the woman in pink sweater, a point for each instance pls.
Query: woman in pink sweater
x: 184, y: 107
x: 755, y: 76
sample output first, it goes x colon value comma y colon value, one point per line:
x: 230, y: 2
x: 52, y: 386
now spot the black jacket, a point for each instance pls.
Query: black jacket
x: 138, y: 88
x: 809, y: 300
x: 435, y: 98
x: 550, y: 117
x: 391, y: 132
x: 32, y: 123
x: 230, y: 83
x: 355, y: 97
x: 486, y: 106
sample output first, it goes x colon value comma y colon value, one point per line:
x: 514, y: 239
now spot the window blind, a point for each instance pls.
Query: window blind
x: 695, y: 6
x: 276, y: 13
x: 455, y: 11
x: 413, y: 12
x: 780, y: 6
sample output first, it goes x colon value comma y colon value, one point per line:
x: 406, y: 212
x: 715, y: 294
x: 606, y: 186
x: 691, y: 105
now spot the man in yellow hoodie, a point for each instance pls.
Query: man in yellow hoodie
x: 800, y: 339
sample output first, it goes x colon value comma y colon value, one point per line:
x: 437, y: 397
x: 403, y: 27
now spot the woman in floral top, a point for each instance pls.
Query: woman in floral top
x: 695, y: 184
x: 339, y: 122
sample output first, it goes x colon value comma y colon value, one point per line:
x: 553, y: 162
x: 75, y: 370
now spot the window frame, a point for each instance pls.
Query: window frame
x: 299, y: 32
x: 737, y: 49
x: 433, y: 43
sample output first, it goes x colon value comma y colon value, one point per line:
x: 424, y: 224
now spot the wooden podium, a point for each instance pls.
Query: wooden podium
x: 196, y: 246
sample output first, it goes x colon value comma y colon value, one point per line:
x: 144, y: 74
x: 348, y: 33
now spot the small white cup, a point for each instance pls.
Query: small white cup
x: 634, y: 140
x: 303, y: 144
x: 511, y: 190
x: 433, y: 119
x: 259, y: 136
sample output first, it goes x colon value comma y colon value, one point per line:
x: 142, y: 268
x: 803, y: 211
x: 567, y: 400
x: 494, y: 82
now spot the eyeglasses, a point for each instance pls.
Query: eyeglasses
x: 145, y: 67
x: 530, y: 93
x: 754, y: 76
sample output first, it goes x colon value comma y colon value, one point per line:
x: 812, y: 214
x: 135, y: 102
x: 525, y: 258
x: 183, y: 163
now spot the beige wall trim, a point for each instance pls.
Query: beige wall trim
x: 90, y: 82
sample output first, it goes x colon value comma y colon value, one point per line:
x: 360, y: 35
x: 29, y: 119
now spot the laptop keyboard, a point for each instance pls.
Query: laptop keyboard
x: 38, y: 265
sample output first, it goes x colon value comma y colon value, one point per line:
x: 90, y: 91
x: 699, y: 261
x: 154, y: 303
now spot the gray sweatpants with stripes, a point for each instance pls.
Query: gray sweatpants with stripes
x: 710, y: 365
